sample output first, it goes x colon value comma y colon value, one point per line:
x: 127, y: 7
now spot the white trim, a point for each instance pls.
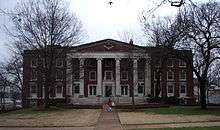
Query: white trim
x: 107, y: 55
x: 172, y: 75
x: 170, y: 94
x: 180, y: 72
x: 182, y: 62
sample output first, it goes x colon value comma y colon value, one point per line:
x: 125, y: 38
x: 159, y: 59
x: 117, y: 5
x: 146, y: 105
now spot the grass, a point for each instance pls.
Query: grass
x: 50, y: 117
x: 190, y: 128
x: 185, y: 110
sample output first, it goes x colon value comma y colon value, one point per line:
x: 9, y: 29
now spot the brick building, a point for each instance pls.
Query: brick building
x: 93, y: 72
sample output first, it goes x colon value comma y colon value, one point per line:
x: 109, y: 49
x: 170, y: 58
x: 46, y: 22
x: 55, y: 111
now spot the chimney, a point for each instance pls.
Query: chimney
x: 131, y: 41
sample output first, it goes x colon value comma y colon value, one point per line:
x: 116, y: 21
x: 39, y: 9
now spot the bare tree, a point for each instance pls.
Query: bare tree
x: 44, y: 25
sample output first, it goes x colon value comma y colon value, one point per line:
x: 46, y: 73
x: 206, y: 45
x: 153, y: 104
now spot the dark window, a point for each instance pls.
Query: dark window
x: 59, y: 89
x: 59, y: 62
x: 108, y: 75
x: 140, y: 88
x: 91, y: 62
x: 108, y: 63
x: 182, y: 74
x: 182, y: 63
x: 34, y: 62
x: 76, y: 88
x: 92, y: 75
x: 182, y: 89
x: 34, y: 74
x: 170, y: 62
x: 124, y: 90
x: 76, y: 75
x: 170, y: 75
x: 59, y: 74
x: 124, y: 75
x: 33, y: 88
x: 170, y: 88
x: 141, y: 75
x: 92, y: 90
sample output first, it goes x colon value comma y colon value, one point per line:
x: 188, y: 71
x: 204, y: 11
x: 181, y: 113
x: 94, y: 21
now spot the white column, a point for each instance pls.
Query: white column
x: 81, y: 76
x: 99, y: 76
x: 69, y: 76
x: 135, y: 76
x: 147, y: 77
x: 117, y: 77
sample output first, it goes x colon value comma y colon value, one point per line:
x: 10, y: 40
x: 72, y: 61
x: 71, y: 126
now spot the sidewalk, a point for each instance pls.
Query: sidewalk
x: 109, y: 121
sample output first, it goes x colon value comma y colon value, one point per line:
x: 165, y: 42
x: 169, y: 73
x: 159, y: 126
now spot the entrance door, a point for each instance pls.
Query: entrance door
x: 108, y: 91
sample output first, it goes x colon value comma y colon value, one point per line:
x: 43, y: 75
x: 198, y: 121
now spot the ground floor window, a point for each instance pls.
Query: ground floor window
x: 76, y: 88
x: 170, y: 89
x: 92, y: 90
x: 141, y: 88
x: 182, y: 89
x: 124, y: 90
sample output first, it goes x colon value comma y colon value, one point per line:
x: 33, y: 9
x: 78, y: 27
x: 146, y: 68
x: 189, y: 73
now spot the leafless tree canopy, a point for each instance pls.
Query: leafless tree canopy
x: 38, y: 23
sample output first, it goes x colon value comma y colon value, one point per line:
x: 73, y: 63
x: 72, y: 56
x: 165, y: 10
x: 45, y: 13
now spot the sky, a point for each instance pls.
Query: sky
x: 100, y: 20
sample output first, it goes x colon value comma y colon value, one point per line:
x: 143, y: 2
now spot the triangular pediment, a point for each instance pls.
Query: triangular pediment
x: 107, y: 45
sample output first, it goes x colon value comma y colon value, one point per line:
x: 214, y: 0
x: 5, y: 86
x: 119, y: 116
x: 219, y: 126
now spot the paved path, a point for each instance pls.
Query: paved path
x: 108, y: 121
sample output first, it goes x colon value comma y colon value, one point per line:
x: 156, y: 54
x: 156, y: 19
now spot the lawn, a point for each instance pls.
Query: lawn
x: 191, y: 128
x: 50, y: 117
x: 185, y: 110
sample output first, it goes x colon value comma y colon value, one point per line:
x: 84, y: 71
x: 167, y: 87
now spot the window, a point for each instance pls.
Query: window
x: 59, y: 89
x: 108, y: 75
x: 157, y: 63
x: 124, y: 90
x: 76, y: 88
x: 108, y: 63
x: 59, y: 62
x: 124, y: 75
x: 170, y: 89
x: 170, y: 75
x: 170, y: 62
x: 182, y: 63
x: 76, y: 75
x: 92, y: 90
x: 92, y: 75
x: 34, y: 75
x: 182, y: 89
x: 59, y: 75
x: 182, y: 74
x: 34, y: 63
x: 91, y: 62
x: 140, y: 88
x: 141, y: 75
x: 156, y: 73
x: 33, y: 89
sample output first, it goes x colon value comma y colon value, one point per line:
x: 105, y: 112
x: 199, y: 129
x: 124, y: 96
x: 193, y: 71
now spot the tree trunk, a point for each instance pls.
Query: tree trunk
x: 202, y: 85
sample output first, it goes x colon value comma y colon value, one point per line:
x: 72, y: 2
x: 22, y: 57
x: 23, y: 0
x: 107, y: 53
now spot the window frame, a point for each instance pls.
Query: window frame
x: 169, y: 89
x: 59, y: 86
x: 59, y: 60
x: 95, y: 78
x: 124, y: 79
x: 58, y: 72
x: 110, y: 76
x: 170, y: 60
x: 185, y: 89
x: 180, y: 63
x: 92, y: 89
x: 180, y: 74
x: 124, y: 87
x: 168, y: 75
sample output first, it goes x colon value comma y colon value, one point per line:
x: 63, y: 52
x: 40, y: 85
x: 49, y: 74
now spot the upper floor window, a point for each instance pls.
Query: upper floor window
x: 34, y: 75
x: 59, y: 62
x: 108, y: 63
x: 170, y: 62
x: 140, y: 75
x: 157, y: 74
x: 76, y: 75
x: 34, y: 62
x: 124, y: 75
x: 59, y: 89
x: 183, y: 74
x: 59, y: 74
x: 157, y: 63
x: 91, y: 62
x: 182, y: 63
x: 33, y: 89
x: 92, y: 75
x: 170, y: 75
x: 108, y: 75
x: 170, y: 89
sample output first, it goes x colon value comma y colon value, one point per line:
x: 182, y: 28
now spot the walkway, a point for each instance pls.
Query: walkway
x: 109, y: 121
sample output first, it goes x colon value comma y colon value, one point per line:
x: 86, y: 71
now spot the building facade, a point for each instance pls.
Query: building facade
x: 94, y: 72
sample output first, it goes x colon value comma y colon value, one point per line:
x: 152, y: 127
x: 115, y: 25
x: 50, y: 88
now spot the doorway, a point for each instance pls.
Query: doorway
x: 108, y: 91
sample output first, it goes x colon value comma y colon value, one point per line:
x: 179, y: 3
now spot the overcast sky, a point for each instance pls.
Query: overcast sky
x: 100, y: 20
